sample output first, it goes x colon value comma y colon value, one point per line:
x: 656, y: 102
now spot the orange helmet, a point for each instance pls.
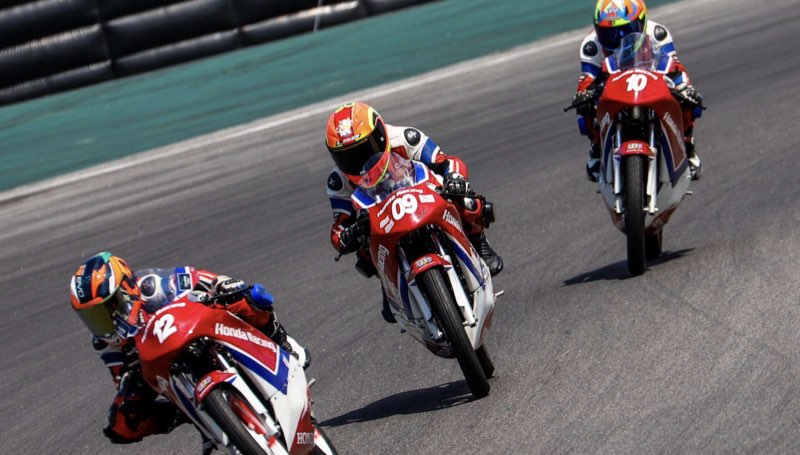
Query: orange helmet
x: 105, y: 296
x: 355, y: 132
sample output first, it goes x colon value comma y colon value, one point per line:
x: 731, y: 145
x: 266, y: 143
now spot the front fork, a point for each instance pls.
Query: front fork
x: 186, y: 387
x: 652, y: 167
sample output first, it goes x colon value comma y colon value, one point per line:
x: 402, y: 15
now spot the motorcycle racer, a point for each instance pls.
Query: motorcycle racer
x: 355, y: 132
x: 110, y: 299
x: 613, y: 20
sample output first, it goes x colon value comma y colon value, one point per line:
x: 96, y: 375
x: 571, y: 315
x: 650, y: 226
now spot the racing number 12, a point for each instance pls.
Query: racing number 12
x: 164, y: 327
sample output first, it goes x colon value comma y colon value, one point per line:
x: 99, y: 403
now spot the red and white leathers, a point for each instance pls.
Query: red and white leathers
x: 412, y: 144
x: 135, y: 413
x: 592, y: 57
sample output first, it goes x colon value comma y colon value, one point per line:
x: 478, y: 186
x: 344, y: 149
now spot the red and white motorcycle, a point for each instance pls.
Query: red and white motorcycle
x: 240, y: 389
x: 644, y: 170
x: 439, y: 288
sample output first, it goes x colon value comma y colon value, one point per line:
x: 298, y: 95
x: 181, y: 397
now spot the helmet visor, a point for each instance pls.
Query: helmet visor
x: 611, y: 37
x: 351, y: 159
x: 126, y: 306
x: 98, y: 318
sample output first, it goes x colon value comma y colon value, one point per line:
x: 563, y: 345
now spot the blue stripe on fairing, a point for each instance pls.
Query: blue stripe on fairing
x: 590, y: 69
x: 279, y: 380
x: 667, y: 48
x: 363, y: 198
x: 341, y: 204
x: 420, y: 173
x: 462, y: 254
x: 427, y: 151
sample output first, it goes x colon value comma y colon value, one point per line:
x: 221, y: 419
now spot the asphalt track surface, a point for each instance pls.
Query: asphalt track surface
x: 698, y: 355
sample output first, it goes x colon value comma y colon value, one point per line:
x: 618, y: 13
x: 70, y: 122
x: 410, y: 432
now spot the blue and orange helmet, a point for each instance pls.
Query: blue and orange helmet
x: 106, y: 297
x: 354, y: 133
x: 615, y: 19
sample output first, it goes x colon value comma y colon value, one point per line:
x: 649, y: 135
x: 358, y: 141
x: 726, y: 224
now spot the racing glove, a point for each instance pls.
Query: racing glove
x: 584, y: 102
x: 456, y: 185
x: 687, y: 94
x: 224, y: 284
x: 350, y: 239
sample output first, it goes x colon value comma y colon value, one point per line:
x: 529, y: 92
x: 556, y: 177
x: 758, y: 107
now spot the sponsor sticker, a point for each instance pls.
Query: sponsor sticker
x: 450, y: 219
x: 224, y: 330
x: 422, y: 262
x: 305, y: 438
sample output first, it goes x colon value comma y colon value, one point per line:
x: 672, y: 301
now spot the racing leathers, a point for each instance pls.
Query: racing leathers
x: 592, y: 74
x: 135, y: 411
x: 411, y: 143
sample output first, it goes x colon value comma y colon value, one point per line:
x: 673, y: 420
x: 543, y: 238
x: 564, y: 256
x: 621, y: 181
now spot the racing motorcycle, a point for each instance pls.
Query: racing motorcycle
x: 240, y: 389
x: 439, y: 289
x: 644, y: 170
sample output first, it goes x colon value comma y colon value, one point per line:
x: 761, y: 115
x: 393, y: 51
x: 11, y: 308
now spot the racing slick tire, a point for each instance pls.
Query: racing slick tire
x: 486, y: 362
x: 444, y: 309
x: 218, y: 406
x: 634, y: 212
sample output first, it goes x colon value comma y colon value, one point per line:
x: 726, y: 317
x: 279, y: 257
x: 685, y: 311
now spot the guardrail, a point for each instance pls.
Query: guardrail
x: 49, y: 46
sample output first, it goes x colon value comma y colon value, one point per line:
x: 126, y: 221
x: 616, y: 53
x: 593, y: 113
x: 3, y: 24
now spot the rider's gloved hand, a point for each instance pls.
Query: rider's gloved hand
x: 350, y: 239
x: 687, y: 93
x: 584, y: 101
x: 224, y: 284
x: 456, y: 185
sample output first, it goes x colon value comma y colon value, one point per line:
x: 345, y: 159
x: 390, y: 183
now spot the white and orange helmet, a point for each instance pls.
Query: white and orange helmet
x: 355, y: 132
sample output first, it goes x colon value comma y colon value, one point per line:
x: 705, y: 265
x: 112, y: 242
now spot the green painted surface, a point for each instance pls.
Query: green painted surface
x: 66, y: 132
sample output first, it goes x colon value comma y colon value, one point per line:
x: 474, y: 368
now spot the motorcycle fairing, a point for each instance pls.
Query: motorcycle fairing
x: 277, y: 375
x: 362, y: 200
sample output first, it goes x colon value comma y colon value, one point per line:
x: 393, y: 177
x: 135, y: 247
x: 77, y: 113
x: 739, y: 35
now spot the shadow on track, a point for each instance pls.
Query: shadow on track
x: 619, y: 270
x: 410, y: 402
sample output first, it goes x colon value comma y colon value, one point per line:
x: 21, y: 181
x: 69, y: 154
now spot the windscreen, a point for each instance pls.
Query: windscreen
x: 385, y: 174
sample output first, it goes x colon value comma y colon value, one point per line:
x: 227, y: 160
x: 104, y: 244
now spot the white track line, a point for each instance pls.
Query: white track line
x: 270, y: 122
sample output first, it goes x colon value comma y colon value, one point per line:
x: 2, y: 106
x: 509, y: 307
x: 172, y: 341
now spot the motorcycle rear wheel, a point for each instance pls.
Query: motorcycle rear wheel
x: 634, y: 167
x: 444, y: 308
x: 218, y: 407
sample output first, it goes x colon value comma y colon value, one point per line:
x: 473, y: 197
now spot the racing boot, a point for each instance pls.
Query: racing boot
x: 593, y: 164
x: 492, y: 259
x: 695, y: 166
x: 386, y: 312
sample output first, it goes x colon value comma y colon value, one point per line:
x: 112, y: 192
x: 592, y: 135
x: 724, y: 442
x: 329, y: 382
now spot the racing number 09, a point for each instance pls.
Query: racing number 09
x: 404, y: 205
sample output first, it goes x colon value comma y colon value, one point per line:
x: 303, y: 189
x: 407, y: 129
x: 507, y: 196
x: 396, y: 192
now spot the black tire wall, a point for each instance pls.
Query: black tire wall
x: 49, y: 46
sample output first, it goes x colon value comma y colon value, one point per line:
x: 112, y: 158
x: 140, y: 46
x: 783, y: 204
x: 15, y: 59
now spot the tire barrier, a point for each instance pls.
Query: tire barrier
x: 49, y: 46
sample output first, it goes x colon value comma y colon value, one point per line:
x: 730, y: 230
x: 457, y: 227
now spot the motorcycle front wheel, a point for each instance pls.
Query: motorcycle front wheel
x: 219, y: 405
x: 444, y: 308
x: 634, y: 167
